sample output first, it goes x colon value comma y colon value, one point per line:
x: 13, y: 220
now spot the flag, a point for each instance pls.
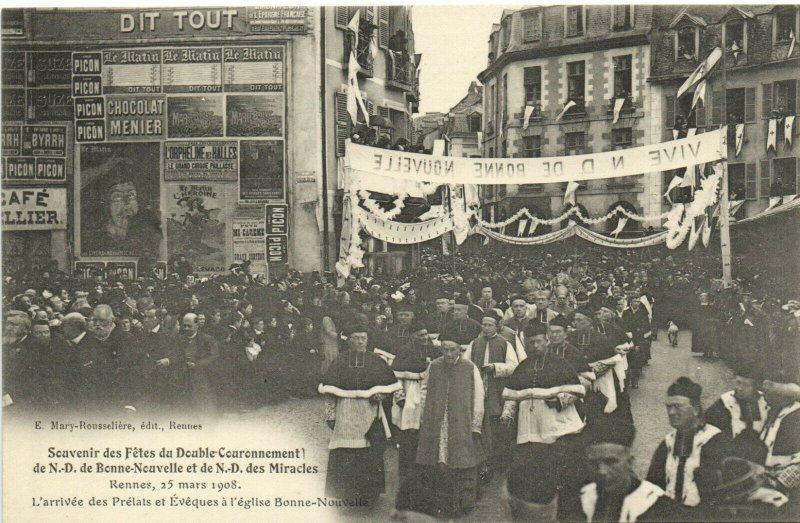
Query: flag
x: 699, y: 94
x: 373, y: 44
x: 566, y: 108
x: 618, y: 103
x: 788, y: 125
x: 706, y: 233
x: 480, y: 137
x: 774, y: 201
x: 772, y: 134
x: 532, y: 229
x: 701, y: 72
x: 788, y: 197
x: 623, y: 221
x: 527, y: 116
x: 675, y: 182
x: 521, y: 226
x: 569, y: 194
x: 438, y: 148
x: 734, y: 206
x: 736, y: 52
x: 354, y: 92
x: 353, y: 26
x: 739, y: 137
x: 675, y: 134
x: 791, y: 45
x: 691, y: 132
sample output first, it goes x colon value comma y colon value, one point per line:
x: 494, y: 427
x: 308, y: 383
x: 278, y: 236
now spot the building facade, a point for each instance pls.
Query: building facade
x: 132, y: 137
x: 755, y: 81
x: 464, y: 124
x: 546, y: 57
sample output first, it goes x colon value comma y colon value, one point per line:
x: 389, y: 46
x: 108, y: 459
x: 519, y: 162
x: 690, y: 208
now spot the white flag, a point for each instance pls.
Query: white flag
x: 566, y: 108
x: 354, y: 92
x: 701, y: 72
x: 691, y: 132
x: 527, y: 116
x: 774, y: 201
x: 675, y: 182
x: 438, y: 148
x: 521, y: 227
x: 618, y: 103
x: 569, y: 194
x: 788, y: 125
x: 734, y: 206
x: 623, y: 221
x: 699, y: 94
x: 480, y: 138
x: 373, y: 45
x: 772, y: 134
x: 532, y: 229
x: 789, y: 197
x: 353, y: 26
x: 739, y: 137
x: 791, y: 45
x: 675, y: 134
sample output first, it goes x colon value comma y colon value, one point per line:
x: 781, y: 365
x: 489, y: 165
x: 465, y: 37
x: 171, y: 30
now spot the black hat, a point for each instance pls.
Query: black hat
x: 751, y: 369
x: 461, y: 299
x: 515, y: 297
x: 535, y: 328
x: 605, y: 431
x: 495, y: 314
x: 560, y: 321
x: 354, y: 327
x: 684, y: 386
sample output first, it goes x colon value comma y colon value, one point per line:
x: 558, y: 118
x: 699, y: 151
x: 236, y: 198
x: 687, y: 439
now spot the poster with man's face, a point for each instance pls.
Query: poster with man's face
x: 120, y: 199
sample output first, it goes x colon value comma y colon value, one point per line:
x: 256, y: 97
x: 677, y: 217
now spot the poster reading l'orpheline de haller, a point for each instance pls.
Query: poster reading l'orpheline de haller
x: 120, y: 199
x: 262, y: 171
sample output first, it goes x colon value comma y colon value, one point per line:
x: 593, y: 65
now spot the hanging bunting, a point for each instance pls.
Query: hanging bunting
x: 354, y: 92
x: 527, y: 116
x: 706, y: 233
x: 566, y: 108
x: 791, y: 44
x: 620, y: 226
x: 569, y: 194
x: 788, y: 128
x: 788, y: 197
x: 373, y: 45
x: 739, y: 137
x: 774, y: 201
x: 699, y: 94
x: 702, y: 71
x: 772, y: 134
x: 734, y: 206
x: 618, y: 103
x: 403, y: 233
x: 691, y: 132
x: 532, y: 229
x: 521, y: 227
x: 353, y: 26
x: 675, y: 133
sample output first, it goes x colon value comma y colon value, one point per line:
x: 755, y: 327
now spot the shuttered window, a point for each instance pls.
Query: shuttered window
x: 341, y: 16
x: 669, y: 111
x: 750, y: 182
x: 766, y: 100
x: 716, y: 108
x: 750, y: 105
x: 370, y: 14
x: 383, y: 26
x: 765, y: 179
x: 532, y: 80
x: 342, y: 129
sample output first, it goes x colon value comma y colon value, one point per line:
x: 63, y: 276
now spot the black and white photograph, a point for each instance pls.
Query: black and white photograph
x: 430, y: 262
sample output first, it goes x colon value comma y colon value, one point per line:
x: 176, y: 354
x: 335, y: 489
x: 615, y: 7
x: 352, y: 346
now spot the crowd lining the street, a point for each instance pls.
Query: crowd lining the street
x: 518, y: 364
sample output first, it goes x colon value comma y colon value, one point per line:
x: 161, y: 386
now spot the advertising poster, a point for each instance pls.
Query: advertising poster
x: 26, y: 209
x: 248, y: 242
x: 119, y: 199
x: 131, y: 71
x: 20, y: 169
x: 13, y: 67
x: 195, y: 116
x: 136, y: 117
x: 51, y: 169
x: 197, y: 216
x: 255, y: 115
x: 254, y: 69
x: 277, y: 20
x: 192, y: 70
x: 44, y: 140
x: 12, y: 140
x: 261, y: 171
x: 88, y: 270
x: 50, y: 105
x: 49, y: 68
x: 201, y: 161
x: 13, y: 109
x: 277, y: 249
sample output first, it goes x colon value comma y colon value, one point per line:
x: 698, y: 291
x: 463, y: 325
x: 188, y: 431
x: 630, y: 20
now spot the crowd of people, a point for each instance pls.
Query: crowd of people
x: 514, y: 363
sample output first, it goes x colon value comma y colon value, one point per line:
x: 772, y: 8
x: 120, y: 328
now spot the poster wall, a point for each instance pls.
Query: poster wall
x: 34, y: 208
x: 119, y: 197
x: 197, y: 217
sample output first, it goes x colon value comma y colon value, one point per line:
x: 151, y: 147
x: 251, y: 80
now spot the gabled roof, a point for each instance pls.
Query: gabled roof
x: 685, y: 15
x: 737, y: 12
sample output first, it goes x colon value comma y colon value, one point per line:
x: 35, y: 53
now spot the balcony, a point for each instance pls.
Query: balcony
x: 363, y: 56
x: 399, y: 70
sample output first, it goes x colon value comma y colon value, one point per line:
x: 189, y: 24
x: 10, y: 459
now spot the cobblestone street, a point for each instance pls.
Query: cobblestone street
x: 303, y: 420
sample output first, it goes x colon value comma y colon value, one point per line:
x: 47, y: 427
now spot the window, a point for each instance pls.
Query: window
x: 622, y: 137
x: 492, y: 100
x: 623, y: 17
x: 575, y: 143
x: 685, y: 115
x: 736, y: 181
x: 532, y: 80
x: 785, y: 97
x: 504, y: 102
x: 622, y: 76
x: 576, y: 79
x: 532, y: 146
x: 785, y: 22
x: 785, y: 176
x: 532, y: 26
x: 686, y: 44
x: 734, y: 35
x: 474, y: 122
x: 575, y: 19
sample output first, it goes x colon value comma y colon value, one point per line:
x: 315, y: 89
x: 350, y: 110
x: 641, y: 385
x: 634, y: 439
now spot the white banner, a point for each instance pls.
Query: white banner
x: 403, y: 233
x: 32, y: 209
x: 701, y: 148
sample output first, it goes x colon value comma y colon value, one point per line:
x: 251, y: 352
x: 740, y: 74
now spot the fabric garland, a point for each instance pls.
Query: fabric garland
x: 581, y: 232
x: 403, y: 233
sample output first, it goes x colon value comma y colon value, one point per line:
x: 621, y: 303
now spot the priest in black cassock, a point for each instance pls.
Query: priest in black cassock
x: 356, y: 386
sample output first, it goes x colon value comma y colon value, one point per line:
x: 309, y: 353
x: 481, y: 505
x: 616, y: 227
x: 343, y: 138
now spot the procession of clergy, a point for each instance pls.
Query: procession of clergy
x: 539, y: 393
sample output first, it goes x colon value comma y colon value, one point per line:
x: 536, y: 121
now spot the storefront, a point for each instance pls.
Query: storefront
x: 164, y: 133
